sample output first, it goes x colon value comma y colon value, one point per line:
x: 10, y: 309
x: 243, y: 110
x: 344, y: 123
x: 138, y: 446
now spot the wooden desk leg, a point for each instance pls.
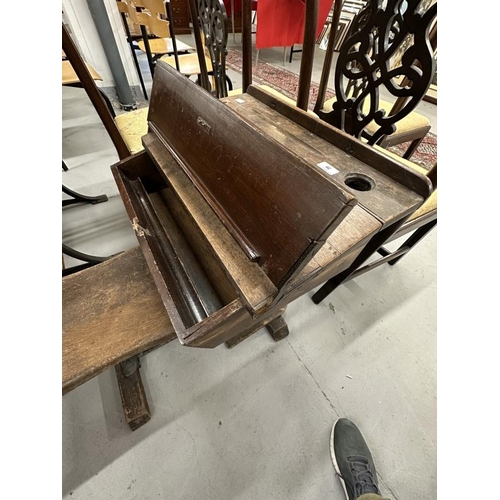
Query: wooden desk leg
x: 278, y: 328
x: 134, y: 400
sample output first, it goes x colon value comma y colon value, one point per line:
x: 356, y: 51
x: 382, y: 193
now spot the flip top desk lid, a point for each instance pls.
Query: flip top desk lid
x: 278, y: 209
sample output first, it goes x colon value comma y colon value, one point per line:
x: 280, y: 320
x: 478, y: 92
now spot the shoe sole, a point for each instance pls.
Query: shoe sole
x: 335, y: 464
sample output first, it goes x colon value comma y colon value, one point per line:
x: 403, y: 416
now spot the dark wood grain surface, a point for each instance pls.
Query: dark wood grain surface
x: 387, y: 199
x: 397, y: 171
x: 199, y: 223
x: 256, y: 187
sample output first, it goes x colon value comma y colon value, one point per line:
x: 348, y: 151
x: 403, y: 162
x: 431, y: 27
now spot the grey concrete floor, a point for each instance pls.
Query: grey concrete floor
x: 253, y: 422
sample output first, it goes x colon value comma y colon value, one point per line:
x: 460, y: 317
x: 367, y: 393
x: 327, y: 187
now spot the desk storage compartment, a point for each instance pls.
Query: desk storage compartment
x: 201, y: 300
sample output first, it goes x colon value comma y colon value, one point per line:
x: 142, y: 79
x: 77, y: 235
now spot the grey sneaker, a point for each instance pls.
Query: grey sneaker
x: 352, y: 460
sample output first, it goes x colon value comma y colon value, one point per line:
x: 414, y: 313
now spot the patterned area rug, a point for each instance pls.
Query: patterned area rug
x: 287, y: 83
x: 279, y: 79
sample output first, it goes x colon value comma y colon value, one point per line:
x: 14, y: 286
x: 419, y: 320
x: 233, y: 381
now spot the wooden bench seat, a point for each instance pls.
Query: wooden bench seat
x: 111, y: 312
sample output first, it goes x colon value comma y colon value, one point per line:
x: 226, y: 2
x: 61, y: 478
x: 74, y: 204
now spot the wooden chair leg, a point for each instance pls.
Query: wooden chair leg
x: 134, y: 400
x: 417, y: 235
x: 278, y: 328
x: 371, y: 247
x: 413, y: 147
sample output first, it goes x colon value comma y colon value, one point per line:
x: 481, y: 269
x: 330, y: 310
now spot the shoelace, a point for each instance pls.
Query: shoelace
x: 363, y: 476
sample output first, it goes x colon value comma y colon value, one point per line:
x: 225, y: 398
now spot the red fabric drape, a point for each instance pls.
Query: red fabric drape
x: 280, y: 23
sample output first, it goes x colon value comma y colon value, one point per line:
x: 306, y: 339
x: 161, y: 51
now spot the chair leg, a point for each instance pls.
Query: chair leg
x: 81, y: 198
x: 417, y: 235
x: 91, y: 259
x: 370, y: 248
x: 391, y: 258
x: 134, y: 55
x: 134, y: 400
x: 148, y: 50
x: 413, y: 147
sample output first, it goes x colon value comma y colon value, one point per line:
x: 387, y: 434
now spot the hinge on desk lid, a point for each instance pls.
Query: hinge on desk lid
x: 141, y: 231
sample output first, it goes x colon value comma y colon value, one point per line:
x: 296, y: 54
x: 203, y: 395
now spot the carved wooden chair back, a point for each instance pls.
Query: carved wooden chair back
x: 213, y: 21
x: 381, y: 31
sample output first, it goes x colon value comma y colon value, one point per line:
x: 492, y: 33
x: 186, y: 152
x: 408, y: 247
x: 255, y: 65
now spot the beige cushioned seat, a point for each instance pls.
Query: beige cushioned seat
x: 164, y: 46
x: 411, y: 122
x: 133, y: 126
x: 431, y: 203
x: 188, y: 63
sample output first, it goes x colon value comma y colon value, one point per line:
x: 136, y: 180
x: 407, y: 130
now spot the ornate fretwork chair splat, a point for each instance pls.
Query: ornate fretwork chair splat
x: 389, y: 46
x: 211, y: 44
x: 214, y: 25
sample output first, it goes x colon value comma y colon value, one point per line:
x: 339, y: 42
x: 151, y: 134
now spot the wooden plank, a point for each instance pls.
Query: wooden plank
x: 111, y: 312
x: 242, y: 173
x: 386, y: 199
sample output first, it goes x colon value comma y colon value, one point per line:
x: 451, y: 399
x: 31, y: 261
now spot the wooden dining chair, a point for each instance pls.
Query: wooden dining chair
x: 363, y: 66
x: 348, y: 114
x: 154, y: 18
x: 211, y: 34
x: 381, y: 33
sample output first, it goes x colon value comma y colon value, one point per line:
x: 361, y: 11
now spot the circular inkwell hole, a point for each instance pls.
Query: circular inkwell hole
x: 359, y: 182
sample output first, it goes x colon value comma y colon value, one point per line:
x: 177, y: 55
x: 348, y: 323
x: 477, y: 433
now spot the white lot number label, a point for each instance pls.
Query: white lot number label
x: 326, y: 167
